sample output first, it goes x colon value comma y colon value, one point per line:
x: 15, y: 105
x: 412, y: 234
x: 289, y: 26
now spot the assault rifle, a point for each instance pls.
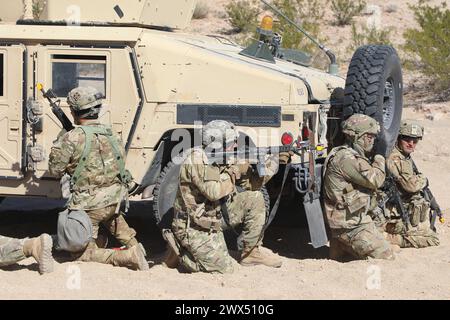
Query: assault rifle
x: 56, y: 109
x: 393, y: 197
x: 256, y: 155
x: 434, y: 206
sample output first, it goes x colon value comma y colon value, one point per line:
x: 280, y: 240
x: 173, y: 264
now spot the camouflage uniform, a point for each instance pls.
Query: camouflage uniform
x: 40, y: 248
x: 204, y: 189
x: 198, y: 220
x: 99, y: 188
x: 350, y: 184
x: 410, y: 185
x: 11, y: 251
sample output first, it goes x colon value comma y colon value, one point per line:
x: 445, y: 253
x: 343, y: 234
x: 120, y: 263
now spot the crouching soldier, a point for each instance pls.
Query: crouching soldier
x: 14, y: 250
x: 350, y: 184
x: 94, y: 158
x: 410, y: 183
x: 207, y: 200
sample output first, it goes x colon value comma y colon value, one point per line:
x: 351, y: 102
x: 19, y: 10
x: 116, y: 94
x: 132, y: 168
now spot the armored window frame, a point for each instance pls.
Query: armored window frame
x: 64, y: 64
x: 2, y: 74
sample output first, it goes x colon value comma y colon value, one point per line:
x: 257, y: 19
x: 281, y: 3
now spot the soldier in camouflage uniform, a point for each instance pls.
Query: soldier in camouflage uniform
x: 40, y: 248
x: 94, y: 158
x: 410, y: 183
x: 351, y: 181
x: 204, y: 188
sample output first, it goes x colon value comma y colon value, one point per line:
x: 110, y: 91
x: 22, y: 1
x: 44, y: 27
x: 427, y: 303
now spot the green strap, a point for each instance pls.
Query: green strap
x: 89, y: 132
x: 118, y: 157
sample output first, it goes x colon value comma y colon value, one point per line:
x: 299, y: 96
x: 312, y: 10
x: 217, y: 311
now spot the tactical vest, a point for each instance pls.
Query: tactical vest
x: 89, y: 132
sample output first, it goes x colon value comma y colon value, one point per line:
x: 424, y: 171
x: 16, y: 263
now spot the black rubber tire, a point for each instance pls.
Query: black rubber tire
x: 165, y: 192
x: 374, y: 87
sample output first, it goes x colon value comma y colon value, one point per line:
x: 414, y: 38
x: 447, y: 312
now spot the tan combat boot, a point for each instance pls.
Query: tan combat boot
x: 171, y: 259
x: 132, y: 258
x: 338, y: 251
x: 40, y: 249
x: 395, y: 240
x: 254, y: 257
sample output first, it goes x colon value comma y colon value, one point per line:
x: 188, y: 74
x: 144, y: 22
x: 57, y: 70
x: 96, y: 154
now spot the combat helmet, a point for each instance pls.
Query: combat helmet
x: 216, y: 133
x: 84, y: 98
x: 410, y: 128
x: 359, y: 124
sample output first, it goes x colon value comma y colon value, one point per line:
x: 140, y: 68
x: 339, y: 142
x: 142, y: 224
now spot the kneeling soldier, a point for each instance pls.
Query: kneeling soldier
x: 95, y: 159
x: 207, y: 196
x: 351, y: 181
x: 410, y: 184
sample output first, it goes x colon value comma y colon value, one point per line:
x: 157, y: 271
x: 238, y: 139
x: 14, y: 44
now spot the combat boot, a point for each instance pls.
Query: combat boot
x: 337, y: 252
x: 254, y: 257
x: 171, y: 259
x: 40, y: 249
x: 395, y: 240
x: 132, y: 258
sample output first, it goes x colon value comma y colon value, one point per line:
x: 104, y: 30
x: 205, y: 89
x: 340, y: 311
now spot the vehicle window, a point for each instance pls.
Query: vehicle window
x: 2, y: 71
x: 69, y: 71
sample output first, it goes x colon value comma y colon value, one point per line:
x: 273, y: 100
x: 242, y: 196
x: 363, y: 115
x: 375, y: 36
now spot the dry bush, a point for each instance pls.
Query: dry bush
x: 306, y: 13
x: 428, y: 47
x: 242, y: 15
x: 38, y: 8
x: 369, y: 35
x: 201, y: 10
x: 345, y: 10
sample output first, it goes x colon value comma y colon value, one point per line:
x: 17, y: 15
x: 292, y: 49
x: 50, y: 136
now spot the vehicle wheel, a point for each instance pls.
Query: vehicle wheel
x: 165, y: 193
x: 374, y: 87
x: 166, y: 190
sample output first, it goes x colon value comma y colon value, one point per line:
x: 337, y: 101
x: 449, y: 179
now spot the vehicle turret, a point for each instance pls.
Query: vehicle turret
x: 172, y: 14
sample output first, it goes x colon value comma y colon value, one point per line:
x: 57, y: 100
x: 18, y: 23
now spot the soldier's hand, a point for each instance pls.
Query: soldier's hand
x: 243, y: 167
x: 285, y: 157
x: 234, y: 172
x: 379, y: 158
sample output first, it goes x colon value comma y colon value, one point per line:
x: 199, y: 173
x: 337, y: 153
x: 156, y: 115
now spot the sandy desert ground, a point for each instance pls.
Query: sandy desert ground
x: 306, y: 273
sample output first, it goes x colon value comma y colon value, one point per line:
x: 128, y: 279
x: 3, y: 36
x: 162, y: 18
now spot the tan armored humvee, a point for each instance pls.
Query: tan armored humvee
x: 157, y: 79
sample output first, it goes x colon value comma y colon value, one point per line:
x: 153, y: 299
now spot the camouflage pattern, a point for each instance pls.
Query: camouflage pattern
x: 96, y: 254
x: 98, y: 189
x: 99, y: 185
x: 216, y: 133
x: 115, y: 223
x: 359, y: 124
x: 11, y: 251
x: 410, y: 184
x: 197, y: 205
x: 83, y: 98
x: 410, y: 128
x: 350, y: 194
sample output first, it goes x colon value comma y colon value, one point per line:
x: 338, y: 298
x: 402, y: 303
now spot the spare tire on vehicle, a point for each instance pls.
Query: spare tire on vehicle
x: 374, y: 87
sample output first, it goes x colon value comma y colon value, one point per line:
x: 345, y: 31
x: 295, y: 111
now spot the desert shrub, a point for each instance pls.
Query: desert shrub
x: 390, y: 8
x: 242, y: 15
x: 345, y: 10
x: 428, y: 47
x: 369, y: 35
x: 38, y: 7
x: 308, y: 14
x: 201, y: 10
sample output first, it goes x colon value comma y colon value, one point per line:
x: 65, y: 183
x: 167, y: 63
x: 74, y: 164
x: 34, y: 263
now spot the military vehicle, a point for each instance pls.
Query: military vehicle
x: 156, y: 79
